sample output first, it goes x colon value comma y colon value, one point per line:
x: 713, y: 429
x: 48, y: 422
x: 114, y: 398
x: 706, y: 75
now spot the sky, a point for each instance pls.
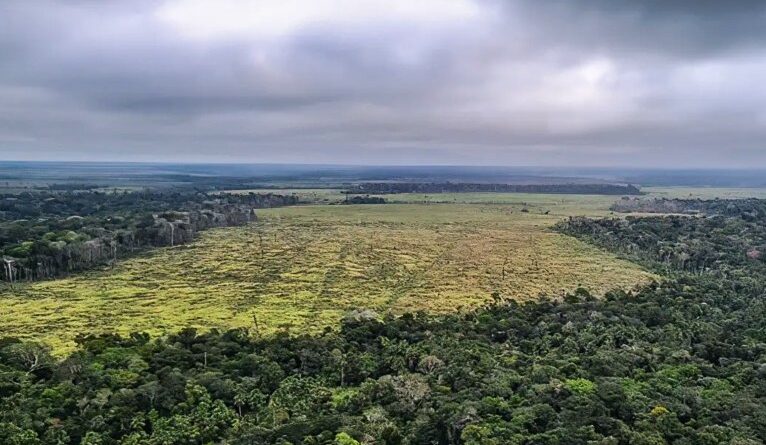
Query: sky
x: 652, y: 83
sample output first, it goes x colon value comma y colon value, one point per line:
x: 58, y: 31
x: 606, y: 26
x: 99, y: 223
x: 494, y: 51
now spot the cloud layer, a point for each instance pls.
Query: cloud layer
x: 582, y: 82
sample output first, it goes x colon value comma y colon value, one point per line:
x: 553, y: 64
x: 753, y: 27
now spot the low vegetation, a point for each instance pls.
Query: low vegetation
x: 706, y: 192
x: 301, y: 268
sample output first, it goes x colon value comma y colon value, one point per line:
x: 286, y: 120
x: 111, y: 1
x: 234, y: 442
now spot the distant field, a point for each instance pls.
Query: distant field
x: 319, y: 196
x: 563, y: 203
x: 302, y: 268
x: 705, y: 192
x: 557, y: 204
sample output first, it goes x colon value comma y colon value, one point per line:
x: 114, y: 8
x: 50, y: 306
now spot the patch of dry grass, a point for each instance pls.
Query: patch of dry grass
x: 302, y: 268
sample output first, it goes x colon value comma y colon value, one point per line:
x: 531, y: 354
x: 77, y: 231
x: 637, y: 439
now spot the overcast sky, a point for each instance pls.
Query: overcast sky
x: 581, y: 82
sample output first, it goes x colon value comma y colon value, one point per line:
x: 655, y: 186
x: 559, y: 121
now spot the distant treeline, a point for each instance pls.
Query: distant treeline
x: 44, y: 235
x: 745, y: 208
x: 72, y: 186
x: 377, y: 188
x: 363, y: 200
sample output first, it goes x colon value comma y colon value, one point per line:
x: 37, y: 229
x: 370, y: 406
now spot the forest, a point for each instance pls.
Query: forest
x: 679, y: 361
x: 49, y: 234
x: 748, y: 208
x: 366, y: 199
x: 728, y: 239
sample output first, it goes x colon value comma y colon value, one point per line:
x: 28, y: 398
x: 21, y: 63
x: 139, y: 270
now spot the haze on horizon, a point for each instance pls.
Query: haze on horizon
x: 674, y: 83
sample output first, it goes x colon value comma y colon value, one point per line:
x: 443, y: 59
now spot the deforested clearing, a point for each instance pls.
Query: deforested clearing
x: 302, y: 268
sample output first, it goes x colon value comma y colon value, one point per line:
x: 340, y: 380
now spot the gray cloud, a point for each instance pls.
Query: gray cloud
x: 589, y: 82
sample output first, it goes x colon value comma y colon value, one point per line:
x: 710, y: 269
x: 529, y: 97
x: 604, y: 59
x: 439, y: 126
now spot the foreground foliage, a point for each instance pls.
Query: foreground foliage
x: 645, y: 369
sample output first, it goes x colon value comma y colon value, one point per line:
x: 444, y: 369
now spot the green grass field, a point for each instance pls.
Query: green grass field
x: 302, y: 268
x: 568, y: 203
x: 563, y: 204
x: 705, y: 192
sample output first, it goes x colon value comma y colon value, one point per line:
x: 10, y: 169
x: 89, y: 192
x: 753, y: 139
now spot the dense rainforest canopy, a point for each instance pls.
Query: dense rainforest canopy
x: 681, y: 361
x: 47, y: 234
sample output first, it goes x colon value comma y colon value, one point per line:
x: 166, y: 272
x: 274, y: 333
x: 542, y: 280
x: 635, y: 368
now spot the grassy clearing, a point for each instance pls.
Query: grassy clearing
x: 557, y: 205
x: 302, y: 268
x: 563, y: 202
x: 705, y: 192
